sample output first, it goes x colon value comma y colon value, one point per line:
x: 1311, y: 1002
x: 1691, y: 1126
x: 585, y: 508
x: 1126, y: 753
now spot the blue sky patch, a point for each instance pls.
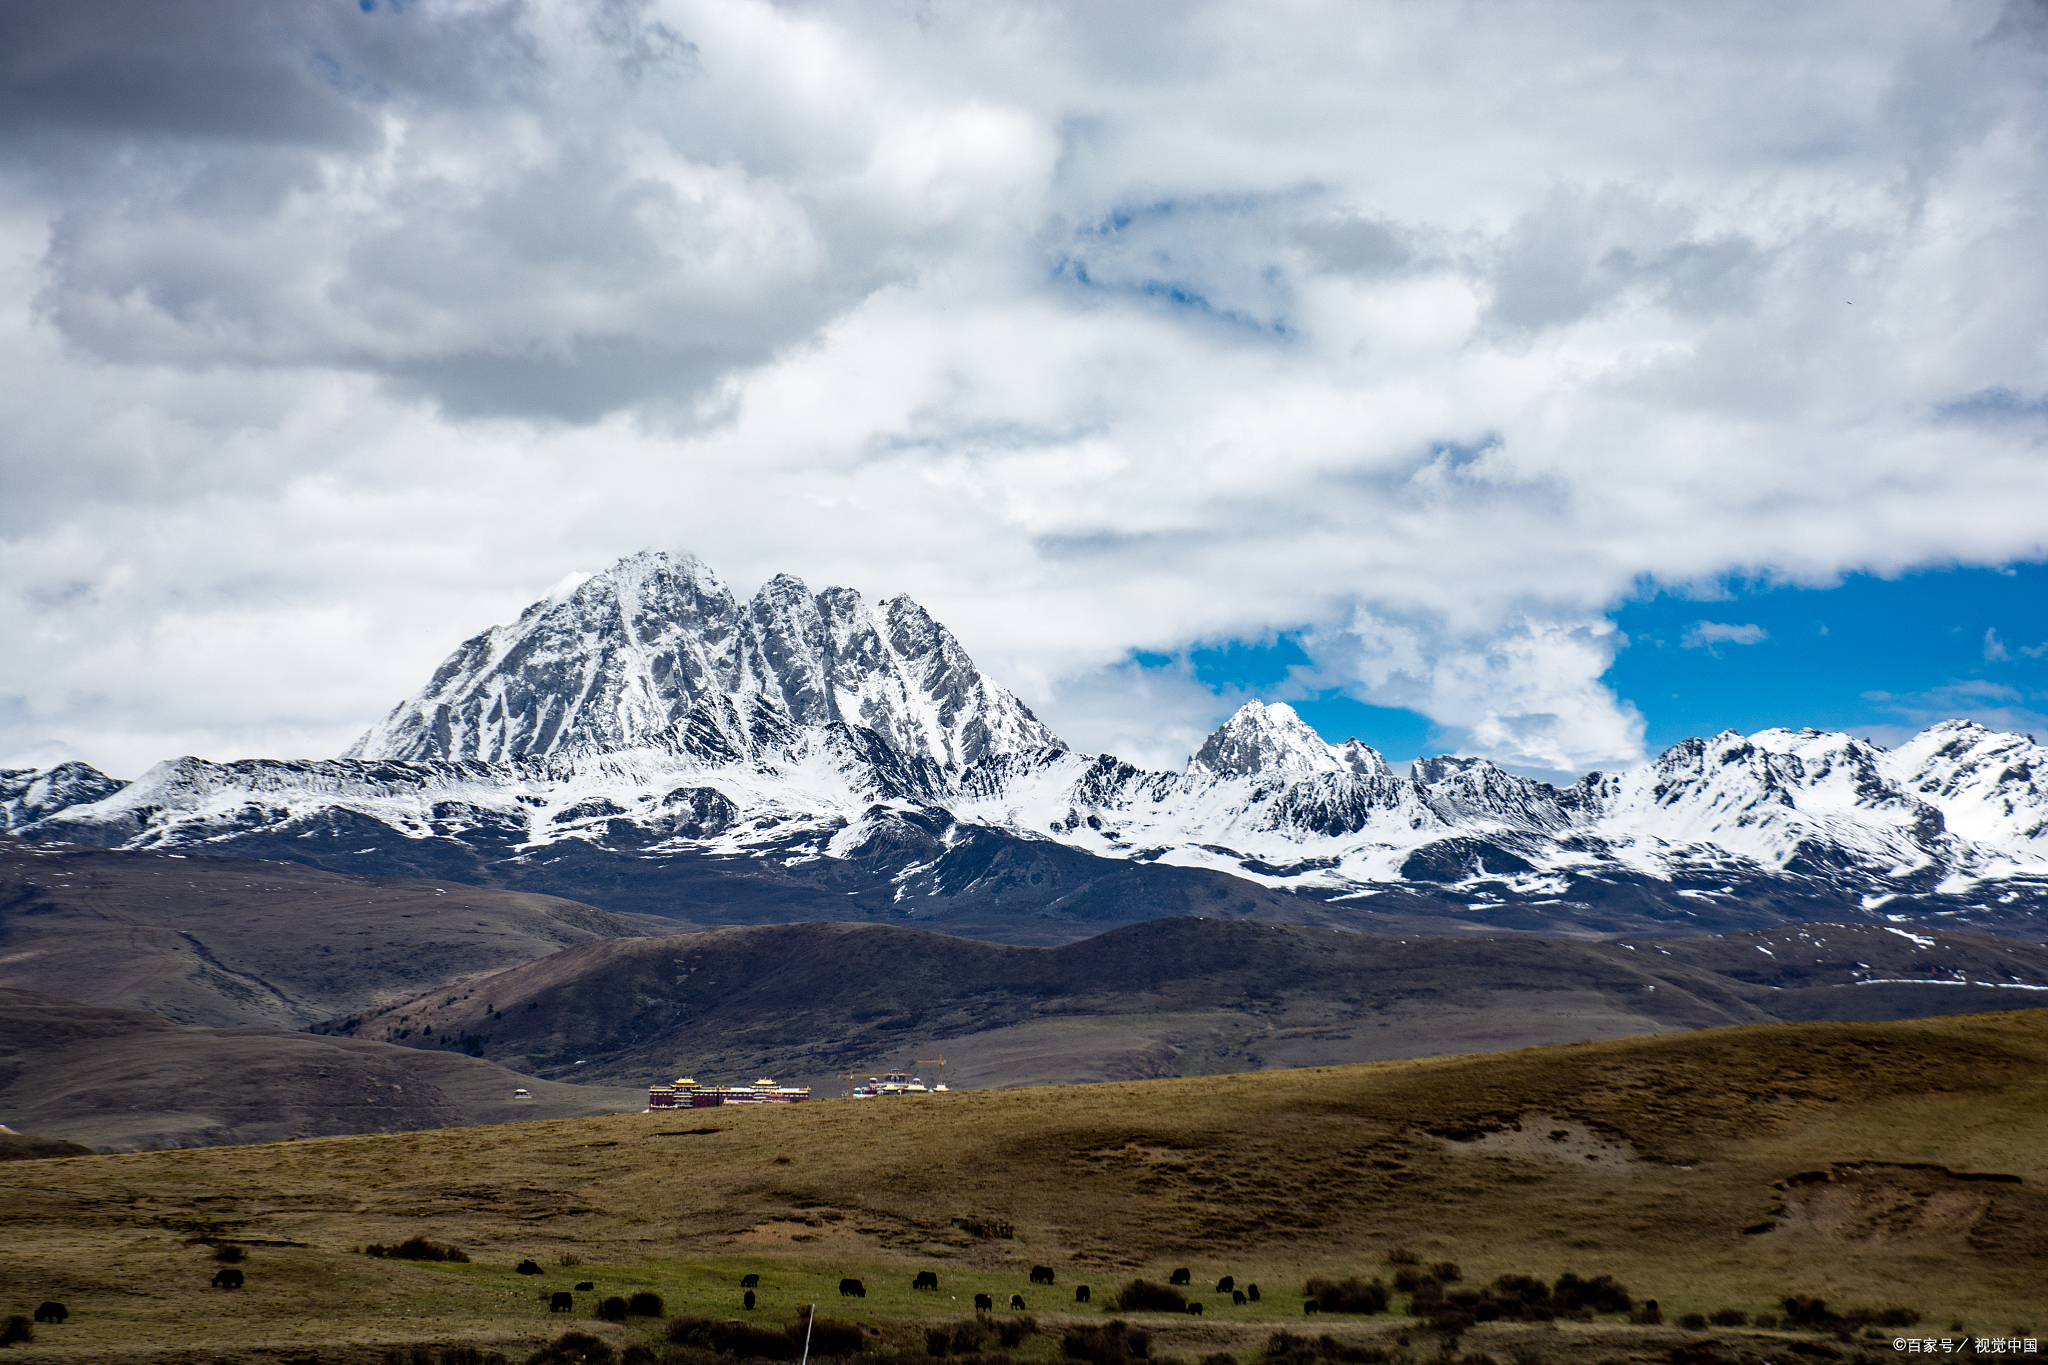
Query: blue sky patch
x: 1876, y: 657
x: 1267, y: 670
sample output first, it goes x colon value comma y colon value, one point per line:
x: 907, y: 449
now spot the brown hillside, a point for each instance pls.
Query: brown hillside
x: 1167, y: 997
x: 127, y: 1080
x: 227, y: 941
x: 35, y: 1147
x: 1892, y: 1164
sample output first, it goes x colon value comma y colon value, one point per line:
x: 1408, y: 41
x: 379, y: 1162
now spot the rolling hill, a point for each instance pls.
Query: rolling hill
x: 126, y: 1080
x: 805, y: 1002
x: 1872, y: 1166
x: 225, y: 941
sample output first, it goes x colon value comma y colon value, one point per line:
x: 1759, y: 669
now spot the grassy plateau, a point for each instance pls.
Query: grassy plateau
x: 1875, y: 1166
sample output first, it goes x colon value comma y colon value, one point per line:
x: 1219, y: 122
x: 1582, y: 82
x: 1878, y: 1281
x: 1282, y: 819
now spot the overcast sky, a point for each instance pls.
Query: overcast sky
x: 1425, y: 335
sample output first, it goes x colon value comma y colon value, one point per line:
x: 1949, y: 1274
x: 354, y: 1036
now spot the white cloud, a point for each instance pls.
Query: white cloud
x: 335, y: 336
x: 1707, y: 634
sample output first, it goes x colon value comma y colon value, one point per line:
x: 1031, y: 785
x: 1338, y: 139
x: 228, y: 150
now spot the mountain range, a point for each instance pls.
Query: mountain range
x: 646, y: 742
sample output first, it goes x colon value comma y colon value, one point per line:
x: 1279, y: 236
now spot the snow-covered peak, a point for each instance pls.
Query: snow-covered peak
x: 1991, y: 786
x: 1263, y: 740
x: 638, y: 655
x: 1361, y: 759
x: 29, y: 794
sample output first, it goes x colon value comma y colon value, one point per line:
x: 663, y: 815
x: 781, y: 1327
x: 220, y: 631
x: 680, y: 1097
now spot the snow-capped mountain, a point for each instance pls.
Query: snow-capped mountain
x: 638, y: 656
x: 29, y: 794
x: 647, y: 742
x: 1275, y: 742
x: 1957, y: 808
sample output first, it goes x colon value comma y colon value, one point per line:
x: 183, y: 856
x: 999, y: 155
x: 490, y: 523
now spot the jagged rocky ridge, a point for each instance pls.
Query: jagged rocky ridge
x: 646, y: 742
x: 657, y: 653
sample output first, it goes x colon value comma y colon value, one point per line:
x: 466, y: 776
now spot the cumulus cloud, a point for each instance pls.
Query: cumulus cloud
x: 338, y: 331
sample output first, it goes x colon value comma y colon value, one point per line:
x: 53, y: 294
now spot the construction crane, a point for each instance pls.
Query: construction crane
x: 939, y: 1062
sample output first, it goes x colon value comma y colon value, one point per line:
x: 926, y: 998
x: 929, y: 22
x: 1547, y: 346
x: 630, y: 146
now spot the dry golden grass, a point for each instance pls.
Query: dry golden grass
x: 1269, y: 1177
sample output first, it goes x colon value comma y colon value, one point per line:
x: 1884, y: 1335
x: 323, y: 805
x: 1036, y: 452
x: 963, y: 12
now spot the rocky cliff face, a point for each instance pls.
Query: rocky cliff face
x: 638, y: 655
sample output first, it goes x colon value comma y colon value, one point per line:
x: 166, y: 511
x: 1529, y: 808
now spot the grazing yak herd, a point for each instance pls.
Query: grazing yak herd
x: 649, y: 1304
x: 1043, y: 1275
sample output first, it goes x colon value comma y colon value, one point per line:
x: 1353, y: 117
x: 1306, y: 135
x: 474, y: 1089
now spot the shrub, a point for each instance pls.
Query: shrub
x: 1814, y: 1314
x: 574, y: 1348
x: 1403, y: 1256
x: 1287, y: 1348
x: 1728, y: 1317
x: 1113, y: 1343
x: 1649, y: 1315
x: 831, y: 1337
x: 230, y: 1254
x: 1513, y: 1298
x: 1015, y: 1330
x: 1447, y: 1271
x: 962, y: 1338
x: 732, y: 1339
x: 569, y: 1258
x: 411, y: 1249
x: 612, y: 1309
x: 1526, y: 1290
x: 1147, y: 1296
x: 1693, y: 1322
x: 16, y: 1328
x: 645, y: 1304
x: 637, y: 1354
x: 1601, y: 1294
x: 1765, y: 1320
x: 985, y: 1227
x: 1450, y: 1319
x: 1348, y: 1295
